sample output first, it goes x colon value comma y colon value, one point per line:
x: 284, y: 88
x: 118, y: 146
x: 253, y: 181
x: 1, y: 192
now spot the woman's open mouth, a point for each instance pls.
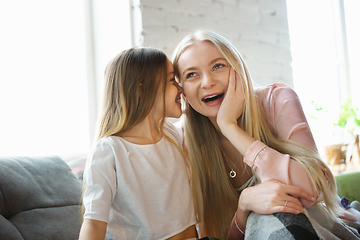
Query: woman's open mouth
x: 212, y: 99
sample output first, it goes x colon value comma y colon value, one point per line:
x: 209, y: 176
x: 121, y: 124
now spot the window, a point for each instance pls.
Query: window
x: 352, y: 18
x: 53, y: 55
x: 324, y: 50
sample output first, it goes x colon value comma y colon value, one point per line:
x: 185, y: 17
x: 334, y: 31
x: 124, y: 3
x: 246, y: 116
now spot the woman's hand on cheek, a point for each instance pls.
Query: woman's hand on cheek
x: 272, y: 197
x: 233, y: 104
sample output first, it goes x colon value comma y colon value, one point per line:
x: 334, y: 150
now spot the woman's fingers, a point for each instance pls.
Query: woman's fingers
x: 293, y: 194
x: 291, y: 205
x: 271, y: 197
x: 232, y: 80
x: 235, y: 84
x: 298, y: 192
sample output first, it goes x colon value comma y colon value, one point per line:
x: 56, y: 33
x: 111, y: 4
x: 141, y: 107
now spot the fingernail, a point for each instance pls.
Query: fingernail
x: 313, y: 199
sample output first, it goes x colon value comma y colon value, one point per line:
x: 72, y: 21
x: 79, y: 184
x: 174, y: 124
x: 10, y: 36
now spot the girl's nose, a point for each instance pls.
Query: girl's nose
x: 207, y: 81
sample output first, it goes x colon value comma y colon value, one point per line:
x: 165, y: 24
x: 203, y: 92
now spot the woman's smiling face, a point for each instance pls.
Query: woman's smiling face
x: 204, y: 74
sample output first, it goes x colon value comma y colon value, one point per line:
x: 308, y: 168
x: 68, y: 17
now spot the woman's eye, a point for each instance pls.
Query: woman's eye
x: 218, y: 65
x: 189, y: 75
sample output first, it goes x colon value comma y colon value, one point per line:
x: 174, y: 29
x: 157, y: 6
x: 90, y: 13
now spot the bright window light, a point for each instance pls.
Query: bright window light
x: 316, y: 62
x: 44, y: 97
x: 43, y: 91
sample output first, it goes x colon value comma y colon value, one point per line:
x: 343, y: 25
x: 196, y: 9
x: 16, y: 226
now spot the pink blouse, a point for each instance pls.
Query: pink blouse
x: 286, y: 116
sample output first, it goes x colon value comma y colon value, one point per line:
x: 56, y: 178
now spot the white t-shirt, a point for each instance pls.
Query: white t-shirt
x: 141, y: 191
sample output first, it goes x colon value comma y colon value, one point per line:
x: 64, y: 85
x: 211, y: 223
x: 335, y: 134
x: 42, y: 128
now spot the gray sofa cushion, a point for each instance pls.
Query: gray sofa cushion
x: 40, y: 198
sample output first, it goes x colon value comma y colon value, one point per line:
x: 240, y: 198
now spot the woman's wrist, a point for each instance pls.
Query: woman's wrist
x: 240, y: 139
x: 242, y: 211
x: 227, y: 126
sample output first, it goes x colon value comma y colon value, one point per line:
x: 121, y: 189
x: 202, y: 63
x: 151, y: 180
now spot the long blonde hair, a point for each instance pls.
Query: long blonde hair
x: 215, y: 201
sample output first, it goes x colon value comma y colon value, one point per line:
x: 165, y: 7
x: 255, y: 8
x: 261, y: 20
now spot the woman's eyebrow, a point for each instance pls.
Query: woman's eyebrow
x: 189, y: 69
x: 216, y: 59
x: 210, y: 63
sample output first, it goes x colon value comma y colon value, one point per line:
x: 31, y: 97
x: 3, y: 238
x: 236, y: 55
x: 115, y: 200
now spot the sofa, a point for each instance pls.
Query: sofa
x: 348, y: 185
x: 40, y: 198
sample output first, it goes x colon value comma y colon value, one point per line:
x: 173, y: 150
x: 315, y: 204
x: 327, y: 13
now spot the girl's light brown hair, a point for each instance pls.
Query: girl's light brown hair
x: 132, y: 80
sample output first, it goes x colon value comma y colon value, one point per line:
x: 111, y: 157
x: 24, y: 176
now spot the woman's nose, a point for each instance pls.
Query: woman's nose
x: 207, y: 81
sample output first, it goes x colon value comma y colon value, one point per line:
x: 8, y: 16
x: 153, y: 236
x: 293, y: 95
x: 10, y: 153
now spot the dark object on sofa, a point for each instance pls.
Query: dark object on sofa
x: 40, y: 198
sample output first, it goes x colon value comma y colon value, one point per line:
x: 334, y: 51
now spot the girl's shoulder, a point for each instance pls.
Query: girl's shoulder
x: 108, y: 140
x: 105, y: 150
x: 108, y: 144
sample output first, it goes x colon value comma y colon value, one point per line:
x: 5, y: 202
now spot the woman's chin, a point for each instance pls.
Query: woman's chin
x: 210, y: 112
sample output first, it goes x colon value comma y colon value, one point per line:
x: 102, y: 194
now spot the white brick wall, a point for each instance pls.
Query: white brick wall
x: 258, y: 28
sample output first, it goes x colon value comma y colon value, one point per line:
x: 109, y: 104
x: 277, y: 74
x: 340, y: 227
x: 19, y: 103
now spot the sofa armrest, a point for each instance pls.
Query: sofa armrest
x: 40, y: 197
x: 348, y: 185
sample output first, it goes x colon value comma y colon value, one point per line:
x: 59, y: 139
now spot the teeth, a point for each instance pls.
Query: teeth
x: 210, y: 96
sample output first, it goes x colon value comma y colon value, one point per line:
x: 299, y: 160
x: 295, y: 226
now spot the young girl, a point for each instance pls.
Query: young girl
x: 137, y: 185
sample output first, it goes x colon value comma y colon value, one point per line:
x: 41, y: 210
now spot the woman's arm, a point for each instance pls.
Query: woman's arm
x: 268, y: 163
x: 266, y: 198
x: 93, y: 230
x: 228, y: 115
x: 285, y: 114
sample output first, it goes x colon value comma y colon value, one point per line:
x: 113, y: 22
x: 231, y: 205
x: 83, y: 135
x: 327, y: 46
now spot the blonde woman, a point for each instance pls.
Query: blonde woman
x: 251, y: 150
x: 136, y: 178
